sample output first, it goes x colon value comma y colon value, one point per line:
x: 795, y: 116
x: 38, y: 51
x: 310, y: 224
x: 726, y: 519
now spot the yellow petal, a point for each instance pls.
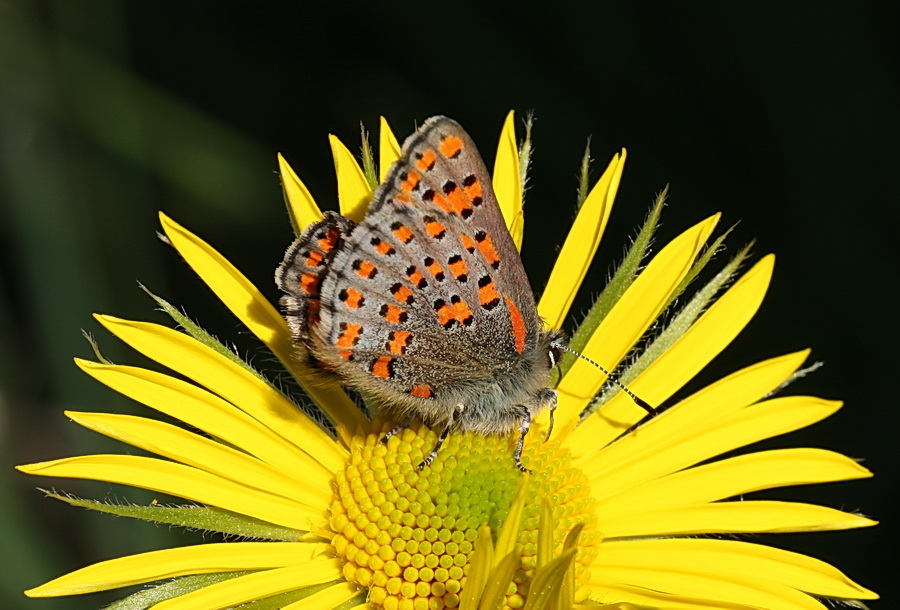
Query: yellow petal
x: 235, y: 384
x: 245, y: 301
x: 729, y: 563
x: 354, y: 193
x: 388, y: 149
x: 734, y: 392
x: 735, y: 477
x: 756, y: 517
x: 709, y: 439
x: 508, y: 182
x: 301, y: 205
x: 184, y: 482
x: 580, y: 246
x: 671, y: 603
x: 498, y: 581
x: 252, y: 587
x: 683, y: 594
x: 208, y: 412
x: 506, y: 539
x: 194, y: 450
x: 231, y: 286
x: 708, y: 336
x: 628, y: 320
x: 482, y: 563
x: 546, y: 526
x: 172, y: 563
x: 547, y: 583
x: 327, y: 599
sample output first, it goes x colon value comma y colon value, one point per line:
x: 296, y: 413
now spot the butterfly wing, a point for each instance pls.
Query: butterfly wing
x: 299, y: 275
x: 426, y: 299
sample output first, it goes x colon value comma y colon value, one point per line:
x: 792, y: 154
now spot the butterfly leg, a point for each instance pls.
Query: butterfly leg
x: 550, y: 396
x: 400, y: 427
x: 440, y: 441
x: 523, y: 430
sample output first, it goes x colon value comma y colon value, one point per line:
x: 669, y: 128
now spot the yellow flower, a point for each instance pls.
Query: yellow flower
x: 614, y: 515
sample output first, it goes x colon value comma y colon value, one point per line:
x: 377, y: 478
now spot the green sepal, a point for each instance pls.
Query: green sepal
x: 96, y: 347
x: 677, y: 327
x: 204, y: 518
x: 199, y: 333
x: 283, y: 599
x: 708, y: 253
x: 368, y: 159
x: 622, y: 279
x: 354, y: 602
x: 584, y: 178
x: 797, y: 375
x: 148, y: 598
x: 525, y: 149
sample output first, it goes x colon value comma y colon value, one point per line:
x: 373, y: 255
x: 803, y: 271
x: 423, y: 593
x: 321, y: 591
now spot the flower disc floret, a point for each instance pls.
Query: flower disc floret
x: 407, y: 535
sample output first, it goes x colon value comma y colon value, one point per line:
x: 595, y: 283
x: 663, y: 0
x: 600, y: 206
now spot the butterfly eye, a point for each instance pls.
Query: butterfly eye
x: 553, y: 354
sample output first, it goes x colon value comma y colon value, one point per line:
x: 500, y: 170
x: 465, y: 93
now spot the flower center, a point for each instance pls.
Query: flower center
x: 406, y: 534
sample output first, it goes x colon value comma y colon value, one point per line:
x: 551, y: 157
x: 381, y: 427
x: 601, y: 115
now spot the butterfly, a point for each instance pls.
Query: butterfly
x: 425, y: 304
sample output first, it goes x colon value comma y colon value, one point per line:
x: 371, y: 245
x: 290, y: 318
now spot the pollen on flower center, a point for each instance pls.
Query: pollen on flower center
x: 407, y: 535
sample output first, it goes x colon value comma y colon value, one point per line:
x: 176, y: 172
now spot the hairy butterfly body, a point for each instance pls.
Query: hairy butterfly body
x: 425, y: 303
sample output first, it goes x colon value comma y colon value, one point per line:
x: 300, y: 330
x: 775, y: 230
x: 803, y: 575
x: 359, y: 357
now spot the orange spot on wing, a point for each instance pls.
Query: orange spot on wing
x: 383, y: 247
x: 487, y: 293
x: 422, y: 391
x: 398, y: 341
x: 314, y: 258
x: 518, y: 324
x: 309, y: 283
x: 467, y: 243
x: 459, y: 203
x: 442, y: 202
x: 416, y: 277
x: 313, y: 306
x: 435, y: 229
x: 393, y: 314
x: 461, y: 311
x: 434, y: 268
x: 458, y: 267
x: 486, y: 247
x: 402, y: 294
x: 446, y: 315
x: 426, y: 160
x: 382, y: 368
x: 350, y: 335
x: 365, y: 269
x: 348, y: 339
x: 410, y: 183
x: 451, y: 146
x: 473, y: 190
x: 352, y: 298
x: 402, y: 232
x: 327, y: 243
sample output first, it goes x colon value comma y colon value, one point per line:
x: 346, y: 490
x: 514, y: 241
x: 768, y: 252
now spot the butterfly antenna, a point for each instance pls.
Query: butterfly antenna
x: 612, y: 377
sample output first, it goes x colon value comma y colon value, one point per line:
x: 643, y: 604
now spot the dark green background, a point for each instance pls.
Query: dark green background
x: 781, y: 115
